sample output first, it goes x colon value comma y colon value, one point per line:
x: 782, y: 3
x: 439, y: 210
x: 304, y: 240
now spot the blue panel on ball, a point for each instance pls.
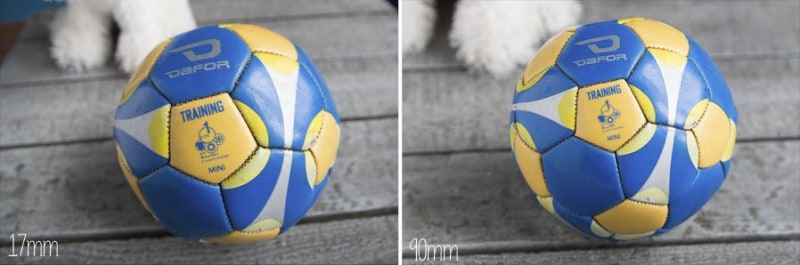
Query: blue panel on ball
x: 309, y: 104
x: 600, y: 52
x: 545, y: 132
x: 256, y: 90
x: 635, y: 168
x: 140, y: 159
x: 300, y: 196
x: 200, y: 63
x: 693, y: 90
x: 720, y: 93
x: 308, y: 67
x: 145, y: 99
x: 583, y: 178
x: 682, y: 171
x: 187, y: 207
x: 682, y: 207
x: 552, y: 82
x: 647, y: 78
x: 581, y: 223
x: 245, y: 202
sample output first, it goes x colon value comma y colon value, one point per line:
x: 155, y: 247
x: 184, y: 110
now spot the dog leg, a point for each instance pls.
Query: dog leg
x: 419, y: 17
x: 145, y: 23
x: 80, y: 35
x: 499, y: 36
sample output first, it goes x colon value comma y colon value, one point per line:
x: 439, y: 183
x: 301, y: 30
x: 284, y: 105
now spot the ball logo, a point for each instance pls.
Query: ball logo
x: 192, y: 56
x: 594, y: 45
x: 608, y: 115
x: 208, y: 142
x: 188, y: 51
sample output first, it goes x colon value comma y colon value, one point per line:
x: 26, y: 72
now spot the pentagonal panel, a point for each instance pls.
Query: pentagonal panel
x: 209, y: 138
x: 633, y: 217
x: 713, y: 134
x: 186, y: 207
x: 600, y: 52
x: 657, y: 34
x: 582, y: 177
x: 143, y: 71
x: 544, y: 59
x: 200, y: 63
x: 263, y: 40
x: 608, y: 114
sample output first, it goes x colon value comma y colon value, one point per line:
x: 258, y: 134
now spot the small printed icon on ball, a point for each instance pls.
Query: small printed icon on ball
x: 227, y: 134
x: 623, y: 129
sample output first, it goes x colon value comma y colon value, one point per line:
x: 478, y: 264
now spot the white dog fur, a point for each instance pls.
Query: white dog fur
x: 81, y: 32
x: 495, y: 36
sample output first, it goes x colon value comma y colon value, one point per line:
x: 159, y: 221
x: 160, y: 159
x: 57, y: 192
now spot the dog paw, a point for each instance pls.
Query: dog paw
x: 499, y: 37
x: 419, y: 17
x: 80, y: 39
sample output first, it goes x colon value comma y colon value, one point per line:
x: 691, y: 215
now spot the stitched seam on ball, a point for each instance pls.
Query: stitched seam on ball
x: 241, y: 73
x: 324, y: 103
x: 254, y: 50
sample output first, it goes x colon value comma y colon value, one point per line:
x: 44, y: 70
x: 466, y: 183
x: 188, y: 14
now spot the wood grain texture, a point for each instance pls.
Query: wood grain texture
x: 360, y: 35
x: 781, y: 252
x: 69, y: 189
x: 481, y: 197
x: 70, y: 111
x: 472, y: 112
x: 724, y: 29
x: 365, y: 240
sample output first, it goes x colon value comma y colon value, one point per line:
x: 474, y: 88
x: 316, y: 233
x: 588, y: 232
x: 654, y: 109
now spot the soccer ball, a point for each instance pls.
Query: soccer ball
x: 227, y: 133
x: 623, y: 129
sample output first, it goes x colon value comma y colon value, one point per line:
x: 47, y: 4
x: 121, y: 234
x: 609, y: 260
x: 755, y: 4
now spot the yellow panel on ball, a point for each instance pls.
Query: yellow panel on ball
x: 546, y: 57
x: 631, y: 217
x: 263, y: 40
x: 530, y: 163
x: 713, y: 133
x: 657, y: 34
x: 262, y: 230
x: 326, y: 144
x: 209, y: 138
x: 608, y: 114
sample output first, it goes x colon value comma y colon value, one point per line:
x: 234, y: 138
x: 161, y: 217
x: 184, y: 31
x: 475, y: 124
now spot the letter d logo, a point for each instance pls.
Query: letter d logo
x: 592, y: 43
x: 192, y: 56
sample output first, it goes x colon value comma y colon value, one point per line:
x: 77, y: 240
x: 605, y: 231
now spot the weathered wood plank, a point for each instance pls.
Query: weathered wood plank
x: 84, y: 110
x: 481, y: 197
x: 472, y: 112
x: 212, y: 11
x: 770, y: 252
x: 324, y: 38
x: 724, y: 29
x: 79, y: 189
x: 364, y: 240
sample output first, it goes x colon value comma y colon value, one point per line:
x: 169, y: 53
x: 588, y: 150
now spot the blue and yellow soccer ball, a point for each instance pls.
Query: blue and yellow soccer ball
x: 623, y: 129
x: 227, y: 133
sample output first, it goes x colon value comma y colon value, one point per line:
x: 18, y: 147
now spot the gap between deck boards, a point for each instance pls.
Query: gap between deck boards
x: 493, y: 248
x: 157, y: 231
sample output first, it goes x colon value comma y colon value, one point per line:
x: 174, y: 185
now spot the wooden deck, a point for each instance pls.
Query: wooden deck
x: 59, y: 178
x: 461, y: 186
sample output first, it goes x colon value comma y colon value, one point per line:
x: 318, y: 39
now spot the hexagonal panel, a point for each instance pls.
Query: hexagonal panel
x: 544, y: 59
x: 209, y: 138
x: 719, y: 91
x: 600, y: 52
x: 608, y: 114
x: 657, y: 34
x: 713, y: 133
x: 582, y: 177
